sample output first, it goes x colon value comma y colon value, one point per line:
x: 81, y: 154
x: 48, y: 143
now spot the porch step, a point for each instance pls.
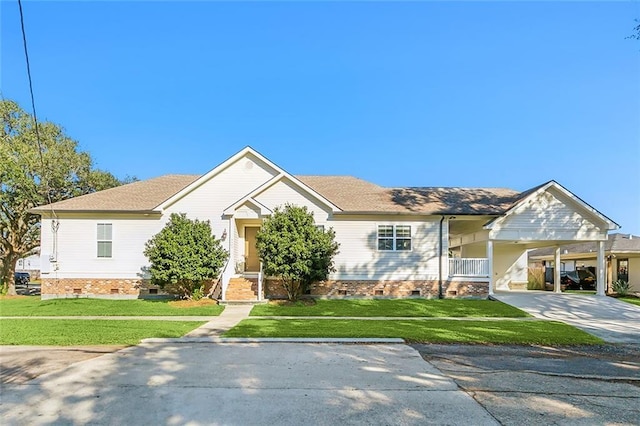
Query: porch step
x: 242, y: 289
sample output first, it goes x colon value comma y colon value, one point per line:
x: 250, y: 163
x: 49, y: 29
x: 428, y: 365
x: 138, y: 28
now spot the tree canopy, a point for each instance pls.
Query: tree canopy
x: 32, y: 175
x: 295, y: 250
x: 183, y: 255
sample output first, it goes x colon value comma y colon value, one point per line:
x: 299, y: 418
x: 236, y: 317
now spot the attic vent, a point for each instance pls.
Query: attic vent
x: 248, y: 165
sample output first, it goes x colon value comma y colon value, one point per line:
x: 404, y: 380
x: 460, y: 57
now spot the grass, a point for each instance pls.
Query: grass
x: 33, y: 306
x: 392, y: 308
x: 428, y: 331
x: 88, y: 332
x: 634, y: 300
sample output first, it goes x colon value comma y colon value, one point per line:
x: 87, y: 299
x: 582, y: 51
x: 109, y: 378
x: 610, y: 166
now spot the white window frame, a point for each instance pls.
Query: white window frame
x: 104, y: 239
x: 394, y: 238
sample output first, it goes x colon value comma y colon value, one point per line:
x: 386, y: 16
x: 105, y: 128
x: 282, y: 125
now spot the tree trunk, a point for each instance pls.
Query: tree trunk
x: 8, y: 272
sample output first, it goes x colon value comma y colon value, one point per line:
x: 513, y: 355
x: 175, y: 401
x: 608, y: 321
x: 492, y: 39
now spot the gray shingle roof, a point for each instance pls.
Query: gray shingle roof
x: 616, y: 243
x: 349, y: 193
x: 356, y: 195
x: 144, y: 195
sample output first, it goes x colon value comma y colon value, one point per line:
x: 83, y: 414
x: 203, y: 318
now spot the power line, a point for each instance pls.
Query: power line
x: 44, y: 180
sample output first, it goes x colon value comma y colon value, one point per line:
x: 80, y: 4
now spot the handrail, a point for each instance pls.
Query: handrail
x: 216, y: 289
x: 260, y: 282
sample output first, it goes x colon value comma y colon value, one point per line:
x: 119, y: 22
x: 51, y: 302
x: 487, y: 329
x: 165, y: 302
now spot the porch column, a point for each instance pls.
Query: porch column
x: 600, y: 269
x: 490, y: 265
x: 556, y: 271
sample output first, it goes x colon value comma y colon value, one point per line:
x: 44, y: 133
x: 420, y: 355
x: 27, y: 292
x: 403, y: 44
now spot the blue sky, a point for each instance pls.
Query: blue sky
x: 480, y: 94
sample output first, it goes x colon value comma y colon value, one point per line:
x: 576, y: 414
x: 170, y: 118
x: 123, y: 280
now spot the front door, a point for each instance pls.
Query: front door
x: 252, y: 261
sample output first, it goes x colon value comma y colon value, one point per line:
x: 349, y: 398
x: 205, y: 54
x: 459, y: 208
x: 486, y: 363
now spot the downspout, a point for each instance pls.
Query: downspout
x: 440, y: 260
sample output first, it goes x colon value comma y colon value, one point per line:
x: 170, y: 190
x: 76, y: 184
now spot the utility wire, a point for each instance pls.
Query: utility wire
x: 33, y: 102
x: 44, y: 180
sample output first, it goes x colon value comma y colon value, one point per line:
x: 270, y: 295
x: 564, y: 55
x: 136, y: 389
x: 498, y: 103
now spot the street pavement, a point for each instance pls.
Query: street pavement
x: 245, y: 384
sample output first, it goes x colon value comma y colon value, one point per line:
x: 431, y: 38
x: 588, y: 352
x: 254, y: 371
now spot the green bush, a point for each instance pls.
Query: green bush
x: 621, y: 287
x: 184, y: 255
x: 198, y: 293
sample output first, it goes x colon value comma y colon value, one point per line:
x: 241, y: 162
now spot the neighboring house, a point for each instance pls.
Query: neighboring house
x: 30, y: 264
x: 622, y: 253
x: 394, y: 242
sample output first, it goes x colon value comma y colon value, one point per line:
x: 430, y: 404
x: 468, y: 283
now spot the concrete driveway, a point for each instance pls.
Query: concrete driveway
x: 610, y: 319
x: 245, y: 384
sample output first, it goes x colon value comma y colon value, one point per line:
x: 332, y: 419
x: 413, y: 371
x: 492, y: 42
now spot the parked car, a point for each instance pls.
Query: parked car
x: 22, y: 279
x: 580, y: 279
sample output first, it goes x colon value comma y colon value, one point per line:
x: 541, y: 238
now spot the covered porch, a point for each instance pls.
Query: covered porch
x: 497, y: 246
x: 242, y: 278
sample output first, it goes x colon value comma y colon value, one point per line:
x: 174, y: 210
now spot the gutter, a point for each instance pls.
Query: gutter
x: 144, y: 212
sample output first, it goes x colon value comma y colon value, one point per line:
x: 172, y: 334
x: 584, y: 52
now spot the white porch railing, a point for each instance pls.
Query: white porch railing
x: 260, y: 279
x: 227, y: 273
x: 468, y: 267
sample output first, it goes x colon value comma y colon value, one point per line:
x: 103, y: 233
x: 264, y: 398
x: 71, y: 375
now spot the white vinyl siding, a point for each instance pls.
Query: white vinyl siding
x: 286, y: 192
x: 548, y: 216
x: 360, y: 259
x: 394, y: 237
x: 105, y: 240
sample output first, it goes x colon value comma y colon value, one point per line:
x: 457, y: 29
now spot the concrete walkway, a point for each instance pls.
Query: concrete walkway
x: 605, y: 317
x: 231, y: 316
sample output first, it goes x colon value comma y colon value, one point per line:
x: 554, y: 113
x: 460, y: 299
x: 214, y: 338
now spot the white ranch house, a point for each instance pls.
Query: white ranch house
x: 394, y: 242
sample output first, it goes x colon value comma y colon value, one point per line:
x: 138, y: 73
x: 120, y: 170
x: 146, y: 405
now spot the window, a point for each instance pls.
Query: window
x: 623, y: 269
x: 104, y: 239
x: 320, y: 227
x: 394, y: 237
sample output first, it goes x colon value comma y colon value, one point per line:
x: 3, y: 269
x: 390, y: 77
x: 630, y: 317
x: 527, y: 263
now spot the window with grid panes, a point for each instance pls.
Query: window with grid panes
x: 105, y: 242
x: 394, y: 237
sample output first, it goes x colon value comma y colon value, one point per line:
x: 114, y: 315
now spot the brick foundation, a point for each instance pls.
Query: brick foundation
x: 91, y: 287
x: 392, y: 288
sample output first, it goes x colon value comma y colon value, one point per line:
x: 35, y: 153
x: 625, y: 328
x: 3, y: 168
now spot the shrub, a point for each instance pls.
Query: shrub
x: 183, y: 255
x: 621, y: 287
x: 294, y: 250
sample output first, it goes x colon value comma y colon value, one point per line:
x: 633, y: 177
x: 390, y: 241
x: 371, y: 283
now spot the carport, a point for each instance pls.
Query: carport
x: 547, y: 216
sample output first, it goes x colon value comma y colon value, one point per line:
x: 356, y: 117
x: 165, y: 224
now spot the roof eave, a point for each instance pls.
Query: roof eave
x: 101, y: 211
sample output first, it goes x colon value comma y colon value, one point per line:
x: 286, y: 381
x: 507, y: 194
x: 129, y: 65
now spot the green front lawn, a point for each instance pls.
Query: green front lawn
x: 392, y: 308
x: 634, y: 300
x: 429, y: 331
x: 33, y: 306
x: 88, y: 332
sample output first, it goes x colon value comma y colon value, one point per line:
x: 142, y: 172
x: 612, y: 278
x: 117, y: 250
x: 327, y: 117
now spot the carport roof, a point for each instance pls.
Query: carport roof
x: 616, y: 243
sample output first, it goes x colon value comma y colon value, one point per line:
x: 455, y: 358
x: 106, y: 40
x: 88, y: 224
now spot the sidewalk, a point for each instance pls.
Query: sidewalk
x: 231, y: 316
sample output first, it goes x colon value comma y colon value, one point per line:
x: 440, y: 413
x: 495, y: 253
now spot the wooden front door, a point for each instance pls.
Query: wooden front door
x: 251, y: 259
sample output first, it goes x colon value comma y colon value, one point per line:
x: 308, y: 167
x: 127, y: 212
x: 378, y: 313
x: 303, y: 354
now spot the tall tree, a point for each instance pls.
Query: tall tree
x: 33, y: 174
x: 295, y: 250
